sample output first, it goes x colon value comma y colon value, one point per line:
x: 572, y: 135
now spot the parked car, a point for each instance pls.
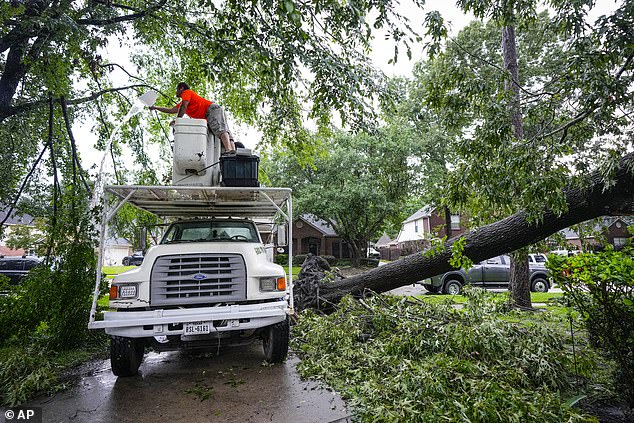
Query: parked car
x: 135, y: 259
x: 566, y: 253
x: 491, y: 273
x: 537, y: 259
x: 16, y: 268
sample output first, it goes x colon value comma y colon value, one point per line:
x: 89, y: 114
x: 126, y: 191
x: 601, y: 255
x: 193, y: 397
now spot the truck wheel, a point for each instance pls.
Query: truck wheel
x: 126, y: 355
x: 275, y: 342
x: 452, y: 287
x: 539, y: 284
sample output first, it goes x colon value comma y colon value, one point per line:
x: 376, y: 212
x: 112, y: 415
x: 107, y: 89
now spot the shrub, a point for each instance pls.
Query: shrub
x: 343, y: 262
x: 52, y: 304
x: 330, y: 259
x: 298, y: 259
x: 601, y: 287
x: 369, y: 262
x: 281, y: 259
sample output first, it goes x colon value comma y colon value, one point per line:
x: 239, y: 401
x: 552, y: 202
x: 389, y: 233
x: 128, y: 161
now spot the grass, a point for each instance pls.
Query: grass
x: 115, y: 270
x: 536, y: 297
x: 111, y: 272
x: 103, y: 301
x: 545, y: 297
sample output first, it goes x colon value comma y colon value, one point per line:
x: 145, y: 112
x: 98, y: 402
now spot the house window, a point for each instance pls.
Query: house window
x: 619, y: 241
x: 455, y: 222
x: 416, y: 226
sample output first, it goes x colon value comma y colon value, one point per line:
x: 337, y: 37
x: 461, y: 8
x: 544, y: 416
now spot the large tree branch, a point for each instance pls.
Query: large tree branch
x: 584, y: 114
x: 140, y: 13
x: 26, y: 107
x: 12, y: 73
x: 73, y: 146
x: 23, y: 186
x: 596, y: 199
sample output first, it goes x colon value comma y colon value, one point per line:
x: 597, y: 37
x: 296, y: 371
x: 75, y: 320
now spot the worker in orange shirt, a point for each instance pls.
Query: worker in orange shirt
x: 197, y: 107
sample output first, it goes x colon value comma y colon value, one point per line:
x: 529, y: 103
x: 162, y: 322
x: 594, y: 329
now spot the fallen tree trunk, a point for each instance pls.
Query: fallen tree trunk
x: 595, y: 200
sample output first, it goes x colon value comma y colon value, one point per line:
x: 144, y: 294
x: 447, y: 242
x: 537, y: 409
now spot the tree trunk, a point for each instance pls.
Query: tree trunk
x: 355, y: 254
x: 595, y: 200
x: 448, y: 230
x: 519, y: 270
x: 519, y: 283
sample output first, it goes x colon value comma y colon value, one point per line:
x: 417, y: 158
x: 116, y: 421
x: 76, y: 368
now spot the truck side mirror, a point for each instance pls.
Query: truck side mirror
x: 282, y: 239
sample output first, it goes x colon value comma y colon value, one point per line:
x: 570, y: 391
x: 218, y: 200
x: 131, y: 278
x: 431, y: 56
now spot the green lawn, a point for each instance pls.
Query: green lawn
x: 111, y: 272
x: 115, y: 270
x: 536, y: 297
x: 103, y: 301
x: 545, y: 297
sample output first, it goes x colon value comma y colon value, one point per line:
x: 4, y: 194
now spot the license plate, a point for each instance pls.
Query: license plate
x: 197, y: 328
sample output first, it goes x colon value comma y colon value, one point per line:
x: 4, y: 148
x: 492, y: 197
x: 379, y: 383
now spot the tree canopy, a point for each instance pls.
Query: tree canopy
x: 279, y: 63
x: 358, y: 184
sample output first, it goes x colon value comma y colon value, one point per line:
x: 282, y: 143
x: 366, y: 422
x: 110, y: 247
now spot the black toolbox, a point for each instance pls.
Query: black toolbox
x: 239, y: 170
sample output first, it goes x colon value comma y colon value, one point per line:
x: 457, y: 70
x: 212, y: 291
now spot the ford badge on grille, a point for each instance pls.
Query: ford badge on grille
x: 200, y: 276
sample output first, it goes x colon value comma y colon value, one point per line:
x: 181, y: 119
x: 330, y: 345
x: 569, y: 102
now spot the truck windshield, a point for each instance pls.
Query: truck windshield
x: 211, y: 231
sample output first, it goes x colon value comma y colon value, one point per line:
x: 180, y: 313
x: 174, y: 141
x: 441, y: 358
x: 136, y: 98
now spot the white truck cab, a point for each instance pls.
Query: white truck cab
x: 207, y: 282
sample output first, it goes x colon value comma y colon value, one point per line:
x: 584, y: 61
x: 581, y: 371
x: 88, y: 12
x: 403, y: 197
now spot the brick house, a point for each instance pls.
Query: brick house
x: 428, y: 222
x: 614, y: 229
x: 316, y: 236
x: 9, y: 225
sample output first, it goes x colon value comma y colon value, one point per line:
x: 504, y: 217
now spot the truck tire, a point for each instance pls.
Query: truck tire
x: 539, y: 284
x: 275, y: 342
x: 126, y: 355
x: 452, y: 287
x: 126, y: 262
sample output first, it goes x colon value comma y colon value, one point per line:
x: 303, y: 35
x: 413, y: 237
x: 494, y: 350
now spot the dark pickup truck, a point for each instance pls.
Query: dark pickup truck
x: 16, y: 268
x: 490, y: 273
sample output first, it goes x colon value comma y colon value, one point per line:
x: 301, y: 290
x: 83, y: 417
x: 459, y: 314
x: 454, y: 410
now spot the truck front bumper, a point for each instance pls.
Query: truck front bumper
x: 141, y: 324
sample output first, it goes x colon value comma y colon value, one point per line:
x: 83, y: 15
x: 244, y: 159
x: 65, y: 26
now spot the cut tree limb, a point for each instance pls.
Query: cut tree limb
x: 595, y: 200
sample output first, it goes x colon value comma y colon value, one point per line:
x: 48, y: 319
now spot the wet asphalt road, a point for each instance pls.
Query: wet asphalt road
x: 186, y: 387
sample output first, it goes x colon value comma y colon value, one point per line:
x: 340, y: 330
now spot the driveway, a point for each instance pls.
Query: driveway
x: 233, y: 386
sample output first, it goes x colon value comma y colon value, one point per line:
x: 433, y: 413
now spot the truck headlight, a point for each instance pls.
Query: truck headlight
x: 118, y: 292
x: 273, y: 284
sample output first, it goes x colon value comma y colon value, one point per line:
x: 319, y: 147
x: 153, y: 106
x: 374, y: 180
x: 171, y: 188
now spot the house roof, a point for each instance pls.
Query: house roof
x: 384, y: 240
x: 118, y: 241
x: 319, y: 224
x: 606, y: 222
x: 16, y: 219
x: 424, y: 211
x: 8, y: 252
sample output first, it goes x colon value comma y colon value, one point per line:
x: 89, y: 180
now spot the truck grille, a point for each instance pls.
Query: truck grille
x: 197, y: 279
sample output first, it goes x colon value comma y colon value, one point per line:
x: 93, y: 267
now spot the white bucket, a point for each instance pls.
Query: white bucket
x: 190, y: 146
